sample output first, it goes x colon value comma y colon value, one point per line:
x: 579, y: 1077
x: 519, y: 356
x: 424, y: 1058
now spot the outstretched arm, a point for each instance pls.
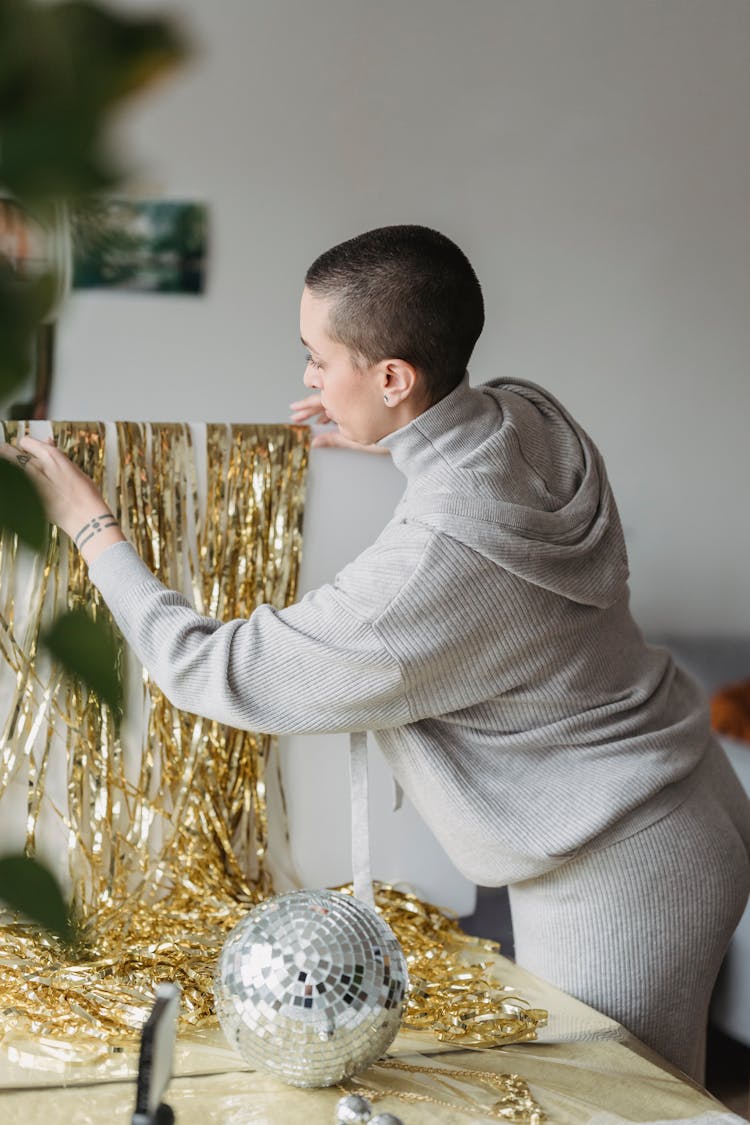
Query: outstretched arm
x: 315, y: 666
x: 312, y: 667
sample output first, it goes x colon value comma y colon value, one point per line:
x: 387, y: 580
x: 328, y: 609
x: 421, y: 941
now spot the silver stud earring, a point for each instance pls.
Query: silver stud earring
x: 385, y: 398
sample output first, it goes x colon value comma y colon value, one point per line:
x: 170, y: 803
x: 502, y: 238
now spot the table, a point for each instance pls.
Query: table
x: 584, y: 1068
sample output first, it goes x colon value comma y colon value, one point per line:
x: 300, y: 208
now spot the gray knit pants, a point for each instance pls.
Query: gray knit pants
x: 638, y: 929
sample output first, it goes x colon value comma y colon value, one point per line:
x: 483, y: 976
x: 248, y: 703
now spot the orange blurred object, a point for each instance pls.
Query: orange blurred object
x: 730, y: 710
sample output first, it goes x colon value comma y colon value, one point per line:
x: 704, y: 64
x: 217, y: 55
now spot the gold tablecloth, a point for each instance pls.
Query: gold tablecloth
x: 584, y: 1068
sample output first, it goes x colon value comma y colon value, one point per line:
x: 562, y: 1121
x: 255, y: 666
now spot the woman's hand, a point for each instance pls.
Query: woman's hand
x: 311, y: 410
x: 70, y: 498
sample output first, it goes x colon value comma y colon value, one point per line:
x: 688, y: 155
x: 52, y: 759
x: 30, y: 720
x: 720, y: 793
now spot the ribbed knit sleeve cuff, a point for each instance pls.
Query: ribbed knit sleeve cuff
x: 118, y: 571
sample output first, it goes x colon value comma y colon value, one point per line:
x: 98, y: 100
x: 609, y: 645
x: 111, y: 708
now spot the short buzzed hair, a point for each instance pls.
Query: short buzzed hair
x: 404, y: 292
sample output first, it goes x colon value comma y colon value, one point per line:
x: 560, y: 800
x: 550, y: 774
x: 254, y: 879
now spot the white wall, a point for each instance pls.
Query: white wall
x: 591, y: 156
x: 593, y: 159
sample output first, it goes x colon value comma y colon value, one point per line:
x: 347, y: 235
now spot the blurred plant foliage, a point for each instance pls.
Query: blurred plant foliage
x: 24, y: 305
x: 65, y: 69
x: 27, y: 887
x: 88, y: 649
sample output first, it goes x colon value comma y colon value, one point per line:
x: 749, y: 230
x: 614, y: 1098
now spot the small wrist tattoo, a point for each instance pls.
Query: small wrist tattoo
x: 23, y: 458
x: 93, y: 527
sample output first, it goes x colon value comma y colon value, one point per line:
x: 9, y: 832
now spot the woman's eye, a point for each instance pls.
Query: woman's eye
x: 309, y: 361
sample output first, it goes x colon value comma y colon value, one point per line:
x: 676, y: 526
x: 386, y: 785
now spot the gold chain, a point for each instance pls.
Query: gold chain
x: 518, y: 1104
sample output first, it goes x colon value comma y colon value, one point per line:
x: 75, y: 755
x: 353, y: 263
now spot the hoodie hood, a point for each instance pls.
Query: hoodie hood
x: 504, y: 469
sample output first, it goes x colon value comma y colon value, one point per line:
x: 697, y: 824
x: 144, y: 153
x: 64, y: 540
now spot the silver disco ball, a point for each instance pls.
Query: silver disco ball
x: 310, y: 986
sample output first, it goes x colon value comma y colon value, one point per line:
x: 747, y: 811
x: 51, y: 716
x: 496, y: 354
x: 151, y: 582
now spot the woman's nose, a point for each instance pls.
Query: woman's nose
x: 311, y: 378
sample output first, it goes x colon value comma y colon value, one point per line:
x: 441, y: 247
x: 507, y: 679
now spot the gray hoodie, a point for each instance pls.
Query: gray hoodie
x: 485, y: 638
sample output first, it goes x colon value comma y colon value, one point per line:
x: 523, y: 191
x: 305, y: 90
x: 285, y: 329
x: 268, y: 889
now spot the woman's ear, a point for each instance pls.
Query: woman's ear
x: 401, y: 381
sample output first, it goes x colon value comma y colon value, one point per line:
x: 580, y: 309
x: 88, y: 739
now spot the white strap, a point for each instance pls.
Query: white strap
x: 360, y: 817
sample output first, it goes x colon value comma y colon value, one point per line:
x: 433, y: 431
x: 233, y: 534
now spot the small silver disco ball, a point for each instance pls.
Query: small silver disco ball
x: 310, y: 986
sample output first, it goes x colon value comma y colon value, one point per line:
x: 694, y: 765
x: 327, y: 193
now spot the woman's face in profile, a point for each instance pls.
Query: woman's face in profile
x: 351, y: 396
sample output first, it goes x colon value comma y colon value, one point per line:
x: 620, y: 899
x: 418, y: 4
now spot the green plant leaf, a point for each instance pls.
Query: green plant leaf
x: 63, y: 67
x: 55, y: 153
x: 27, y: 886
x: 88, y: 650
x: 23, y: 307
x: 122, y: 53
x: 21, y: 509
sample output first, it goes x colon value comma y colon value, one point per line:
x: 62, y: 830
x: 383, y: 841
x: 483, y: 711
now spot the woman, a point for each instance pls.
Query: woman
x: 486, y: 639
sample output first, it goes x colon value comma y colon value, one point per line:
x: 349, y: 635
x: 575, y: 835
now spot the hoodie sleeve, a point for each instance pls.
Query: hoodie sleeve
x: 312, y: 667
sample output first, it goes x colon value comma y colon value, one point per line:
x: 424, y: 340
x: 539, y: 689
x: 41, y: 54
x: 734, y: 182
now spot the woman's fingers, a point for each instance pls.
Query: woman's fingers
x: 307, y: 408
x: 18, y: 454
x: 310, y: 415
x: 321, y: 419
x: 34, y: 454
x: 336, y: 440
x: 46, y: 451
x: 31, y: 443
x: 303, y: 403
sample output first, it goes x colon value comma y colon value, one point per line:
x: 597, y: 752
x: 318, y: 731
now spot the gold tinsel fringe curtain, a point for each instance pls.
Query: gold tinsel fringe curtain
x: 163, y: 830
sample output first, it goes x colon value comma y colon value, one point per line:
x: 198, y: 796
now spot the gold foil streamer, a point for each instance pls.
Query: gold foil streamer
x: 165, y: 827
